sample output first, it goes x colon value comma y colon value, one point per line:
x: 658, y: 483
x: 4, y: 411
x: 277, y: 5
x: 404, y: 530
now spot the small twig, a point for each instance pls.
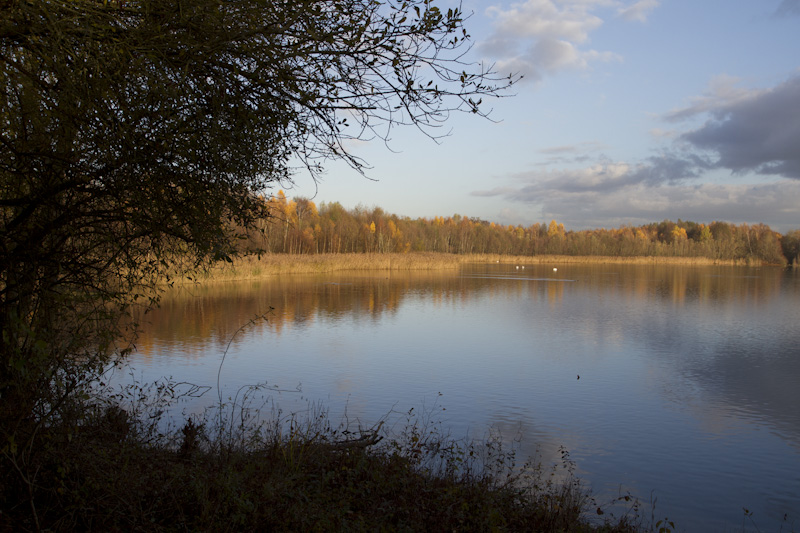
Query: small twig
x: 228, y: 347
x: 367, y: 439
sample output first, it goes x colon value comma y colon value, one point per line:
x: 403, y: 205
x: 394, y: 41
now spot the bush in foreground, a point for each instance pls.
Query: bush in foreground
x: 116, y: 471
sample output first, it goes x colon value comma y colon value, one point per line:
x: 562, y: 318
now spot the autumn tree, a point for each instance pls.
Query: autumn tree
x: 137, y: 135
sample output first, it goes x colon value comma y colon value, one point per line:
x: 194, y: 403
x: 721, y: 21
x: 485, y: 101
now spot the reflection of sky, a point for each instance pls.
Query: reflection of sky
x: 687, y: 376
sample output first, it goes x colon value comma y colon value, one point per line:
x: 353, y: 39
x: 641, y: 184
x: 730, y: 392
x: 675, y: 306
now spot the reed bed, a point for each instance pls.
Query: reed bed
x: 607, y: 259
x: 252, y: 267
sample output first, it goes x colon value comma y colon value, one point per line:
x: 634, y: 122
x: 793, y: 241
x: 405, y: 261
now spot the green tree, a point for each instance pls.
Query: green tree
x: 136, y: 135
x: 790, y: 246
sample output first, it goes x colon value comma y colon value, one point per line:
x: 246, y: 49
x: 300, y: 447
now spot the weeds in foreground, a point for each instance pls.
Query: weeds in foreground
x: 123, y: 468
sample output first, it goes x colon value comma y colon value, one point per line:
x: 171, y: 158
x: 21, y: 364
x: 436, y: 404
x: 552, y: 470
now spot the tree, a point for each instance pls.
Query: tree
x: 790, y: 246
x: 137, y: 135
x: 678, y: 234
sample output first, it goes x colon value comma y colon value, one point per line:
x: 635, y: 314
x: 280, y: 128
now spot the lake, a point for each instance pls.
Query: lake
x: 675, y: 383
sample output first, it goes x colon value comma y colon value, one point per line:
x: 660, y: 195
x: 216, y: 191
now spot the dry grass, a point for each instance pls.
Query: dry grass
x: 251, y: 267
x: 274, y: 264
x: 606, y: 259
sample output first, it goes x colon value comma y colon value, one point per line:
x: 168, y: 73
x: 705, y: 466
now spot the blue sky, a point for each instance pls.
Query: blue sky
x: 629, y: 112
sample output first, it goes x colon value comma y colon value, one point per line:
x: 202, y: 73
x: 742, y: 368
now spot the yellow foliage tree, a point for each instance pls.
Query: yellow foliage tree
x: 678, y: 234
x: 555, y: 229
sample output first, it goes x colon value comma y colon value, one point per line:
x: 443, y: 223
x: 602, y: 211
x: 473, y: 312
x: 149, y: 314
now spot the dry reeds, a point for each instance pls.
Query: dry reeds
x: 606, y: 259
x: 252, y: 267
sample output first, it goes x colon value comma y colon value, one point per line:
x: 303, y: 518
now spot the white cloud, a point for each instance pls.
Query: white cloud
x: 542, y: 37
x: 499, y: 46
x: 520, y: 65
x: 552, y: 54
x: 571, y: 21
x: 639, y: 11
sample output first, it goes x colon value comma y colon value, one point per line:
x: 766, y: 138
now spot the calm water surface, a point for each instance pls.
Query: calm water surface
x: 689, y: 382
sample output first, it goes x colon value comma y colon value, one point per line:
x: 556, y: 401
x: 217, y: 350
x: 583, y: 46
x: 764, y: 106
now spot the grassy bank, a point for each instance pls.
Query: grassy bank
x: 114, y: 472
x: 252, y: 267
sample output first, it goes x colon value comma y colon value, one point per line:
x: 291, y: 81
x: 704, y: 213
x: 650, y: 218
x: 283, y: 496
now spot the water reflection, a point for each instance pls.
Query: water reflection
x: 688, y: 374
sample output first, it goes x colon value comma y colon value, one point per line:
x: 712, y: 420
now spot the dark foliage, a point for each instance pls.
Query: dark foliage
x: 138, y: 137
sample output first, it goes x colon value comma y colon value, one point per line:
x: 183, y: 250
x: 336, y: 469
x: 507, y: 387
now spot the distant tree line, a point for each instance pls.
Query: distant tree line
x: 299, y: 226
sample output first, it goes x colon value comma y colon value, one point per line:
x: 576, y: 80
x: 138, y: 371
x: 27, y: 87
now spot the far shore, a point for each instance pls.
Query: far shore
x: 253, y: 267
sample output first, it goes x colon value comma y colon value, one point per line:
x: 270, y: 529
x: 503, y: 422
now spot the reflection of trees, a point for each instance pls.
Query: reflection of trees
x: 707, y: 324
x: 725, y: 335
x: 199, y: 316
x: 728, y: 334
x: 681, y: 284
x: 196, y: 316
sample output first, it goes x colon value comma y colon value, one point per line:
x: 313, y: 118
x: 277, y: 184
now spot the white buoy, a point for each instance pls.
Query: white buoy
x: 555, y: 270
x: 523, y: 267
x: 517, y: 267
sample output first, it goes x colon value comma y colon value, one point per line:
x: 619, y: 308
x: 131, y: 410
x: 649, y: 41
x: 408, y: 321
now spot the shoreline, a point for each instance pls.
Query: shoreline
x: 267, y: 265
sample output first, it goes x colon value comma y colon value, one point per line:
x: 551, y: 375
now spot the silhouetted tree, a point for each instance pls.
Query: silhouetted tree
x: 137, y: 137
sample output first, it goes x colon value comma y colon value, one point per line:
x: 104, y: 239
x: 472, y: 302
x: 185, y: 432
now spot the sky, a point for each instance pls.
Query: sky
x: 629, y: 112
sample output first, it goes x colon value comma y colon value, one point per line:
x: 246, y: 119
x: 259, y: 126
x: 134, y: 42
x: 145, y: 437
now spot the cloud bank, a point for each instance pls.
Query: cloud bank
x: 742, y: 132
x: 758, y: 132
